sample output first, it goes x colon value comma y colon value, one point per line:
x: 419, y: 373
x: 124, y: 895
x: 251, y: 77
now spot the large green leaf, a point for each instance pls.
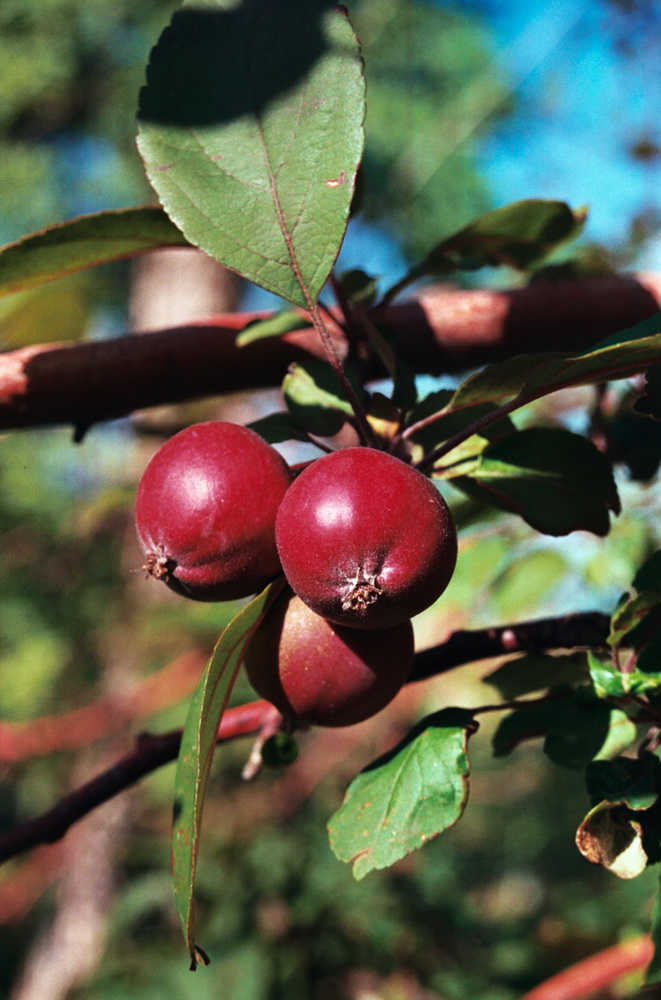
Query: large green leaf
x: 251, y: 128
x: 407, y: 797
x: 82, y: 243
x: 197, y: 746
x: 528, y: 377
x: 557, y: 481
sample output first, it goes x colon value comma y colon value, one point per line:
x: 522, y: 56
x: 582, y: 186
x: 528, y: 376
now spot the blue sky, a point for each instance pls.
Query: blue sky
x: 578, y: 103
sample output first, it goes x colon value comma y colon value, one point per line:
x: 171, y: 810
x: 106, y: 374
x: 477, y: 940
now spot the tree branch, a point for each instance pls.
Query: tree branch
x: 595, y: 973
x: 586, y: 629
x: 444, y: 330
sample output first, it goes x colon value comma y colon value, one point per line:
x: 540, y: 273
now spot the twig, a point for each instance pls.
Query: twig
x: 596, y: 972
x: 151, y: 753
x: 588, y: 629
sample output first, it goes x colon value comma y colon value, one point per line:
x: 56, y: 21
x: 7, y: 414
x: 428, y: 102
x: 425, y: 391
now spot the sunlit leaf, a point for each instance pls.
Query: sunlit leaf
x: 197, y: 746
x: 529, y: 377
x: 251, y: 128
x: 407, y: 797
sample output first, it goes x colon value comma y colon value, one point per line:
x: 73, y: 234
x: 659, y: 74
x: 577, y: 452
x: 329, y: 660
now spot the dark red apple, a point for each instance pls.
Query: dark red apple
x: 364, y: 539
x: 324, y: 674
x: 205, y: 511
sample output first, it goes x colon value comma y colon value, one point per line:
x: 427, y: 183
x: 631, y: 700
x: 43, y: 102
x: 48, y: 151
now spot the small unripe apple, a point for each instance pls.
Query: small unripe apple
x: 364, y: 539
x: 205, y: 511
x: 324, y: 674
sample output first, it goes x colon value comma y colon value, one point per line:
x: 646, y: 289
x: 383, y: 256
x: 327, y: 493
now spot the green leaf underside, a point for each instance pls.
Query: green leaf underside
x: 516, y: 235
x: 556, y: 481
x: 251, y: 131
x: 528, y: 377
x: 84, y: 243
x: 197, y: 747
x: 407, y: 797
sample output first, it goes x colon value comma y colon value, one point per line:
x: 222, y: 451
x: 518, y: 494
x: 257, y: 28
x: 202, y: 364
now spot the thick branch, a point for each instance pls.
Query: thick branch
x: 589, y: 629
x: 585, y: 629
x: 445, y: 330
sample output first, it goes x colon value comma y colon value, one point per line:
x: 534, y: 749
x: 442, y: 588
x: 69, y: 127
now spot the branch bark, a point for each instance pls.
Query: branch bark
x: 583, y: 629
x: 444, y: 330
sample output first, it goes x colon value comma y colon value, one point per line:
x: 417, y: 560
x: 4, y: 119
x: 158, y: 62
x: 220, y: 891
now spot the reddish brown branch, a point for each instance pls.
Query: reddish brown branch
x: 89, y: 723
x: 597, y: 972
x: 152, y: 752
x: 445, y: 330
x: 587, y: 629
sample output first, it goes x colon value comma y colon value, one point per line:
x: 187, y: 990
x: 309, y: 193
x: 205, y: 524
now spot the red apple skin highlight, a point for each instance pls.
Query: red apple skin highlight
x: 323, y: 674
x: 365, y: 540
x: 206, y: 508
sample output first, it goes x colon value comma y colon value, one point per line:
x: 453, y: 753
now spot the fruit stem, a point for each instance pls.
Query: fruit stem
x: 367, y: 435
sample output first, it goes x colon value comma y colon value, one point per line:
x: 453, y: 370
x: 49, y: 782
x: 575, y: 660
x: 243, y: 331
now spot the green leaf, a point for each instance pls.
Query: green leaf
x: 528, y: 377
x: 251, y: 129
x: 526, y: 723
x: 197, y: 746
x: 516, y: 235
x: 407, y: 797
x: 275, y: 326
x: 557, y: 481
x: 609, y: 682
x: 630, y: 781
x: 83, y: 243
x: 577, y: 728
x: 621, y: 832
x: 277, y: 427
x: 630, y: 624
x: 537, y: 672
x: 315, y: 397
x: 438, y: 426
x: 586, y: 730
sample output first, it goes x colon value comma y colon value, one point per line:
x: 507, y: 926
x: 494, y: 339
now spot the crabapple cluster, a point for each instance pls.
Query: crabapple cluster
x: 365, y: 543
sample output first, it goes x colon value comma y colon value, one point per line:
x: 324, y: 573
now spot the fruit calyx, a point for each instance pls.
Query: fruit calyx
x: 362, y: 591
x: 159, y: 565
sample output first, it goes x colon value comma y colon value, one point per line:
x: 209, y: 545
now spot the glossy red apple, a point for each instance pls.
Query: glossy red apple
x: 364, y: 539
x: 324, y: 674
x: 205, y: 511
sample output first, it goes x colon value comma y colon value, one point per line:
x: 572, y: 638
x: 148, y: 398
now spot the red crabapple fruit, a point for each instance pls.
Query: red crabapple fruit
x: 205, y: 511
x: 324, y: 674
x: 364, y: 539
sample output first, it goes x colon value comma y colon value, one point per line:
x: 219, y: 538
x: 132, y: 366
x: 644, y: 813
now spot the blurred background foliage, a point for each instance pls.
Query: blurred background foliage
x: 488, y: 910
